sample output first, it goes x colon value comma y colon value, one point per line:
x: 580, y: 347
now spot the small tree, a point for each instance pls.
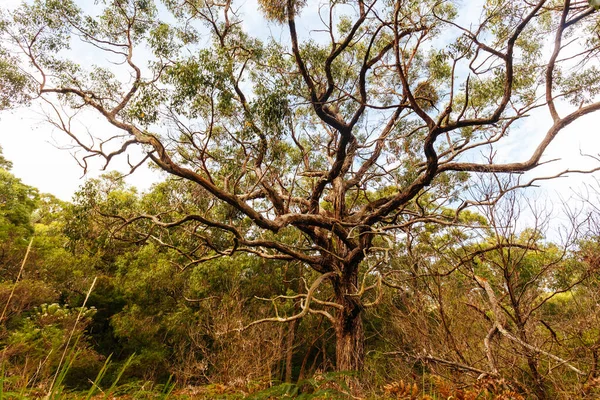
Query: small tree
x: 344, y: 134
x: 509, y: 301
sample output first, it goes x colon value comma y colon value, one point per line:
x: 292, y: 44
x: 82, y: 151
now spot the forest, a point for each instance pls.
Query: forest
x: 345, y: 206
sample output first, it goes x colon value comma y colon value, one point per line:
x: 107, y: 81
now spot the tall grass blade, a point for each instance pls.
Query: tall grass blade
x: 56, y: 389
x: 12, y: 292
x: 58, y: 369
x: 5, y: 309
x: 96, y: 382
x: 119, y: 375
x: 167, y: 389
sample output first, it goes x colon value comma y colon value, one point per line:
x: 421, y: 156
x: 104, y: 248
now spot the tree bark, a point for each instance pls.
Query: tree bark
x: 520, y: 321
x: 349, y: 330
x: 290, y: 350
x: 350, y: 336
x: 540, y: 390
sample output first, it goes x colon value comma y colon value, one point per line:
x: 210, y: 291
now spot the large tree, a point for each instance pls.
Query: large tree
x: 341, y: 125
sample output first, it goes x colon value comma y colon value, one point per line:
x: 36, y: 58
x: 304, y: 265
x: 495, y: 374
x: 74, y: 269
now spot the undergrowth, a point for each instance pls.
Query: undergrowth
x: 322, y: 386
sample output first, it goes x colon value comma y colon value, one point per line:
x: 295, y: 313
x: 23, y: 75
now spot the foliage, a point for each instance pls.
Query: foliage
x: 330, y: 179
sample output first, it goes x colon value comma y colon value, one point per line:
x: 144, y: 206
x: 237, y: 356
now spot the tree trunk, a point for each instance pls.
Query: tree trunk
x: 349, y: 330
x: 538, y: 380
x: 350, y: 336
x: 289, y: 351
x: 539, y: 388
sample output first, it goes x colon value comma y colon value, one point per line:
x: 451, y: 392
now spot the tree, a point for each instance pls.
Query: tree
x: 12, y: 82
x: 4, y: 163
x: 508, y: 302
x: 17, y: 202
x: 346, y: 134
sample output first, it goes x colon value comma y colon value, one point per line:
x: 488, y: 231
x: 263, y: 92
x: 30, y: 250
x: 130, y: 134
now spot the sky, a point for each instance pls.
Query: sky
x: 42, y: 159
x: 35, y: 148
